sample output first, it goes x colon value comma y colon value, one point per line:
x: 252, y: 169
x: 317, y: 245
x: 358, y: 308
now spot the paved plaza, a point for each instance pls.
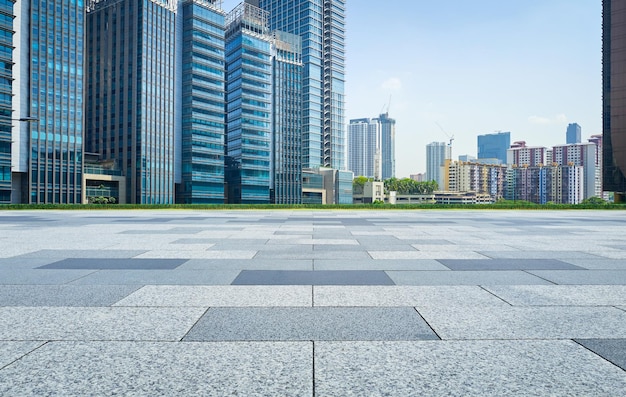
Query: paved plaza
x: 313, y: 303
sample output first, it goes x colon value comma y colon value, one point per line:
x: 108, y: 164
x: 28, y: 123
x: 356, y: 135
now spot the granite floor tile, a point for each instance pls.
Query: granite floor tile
x: 208, y: 254
x: 313, y: 255
x: 115, y: 263
x: 598, y: 264
x: 470, y: 368
x: 605, y: 277
x: 40, y: 276
x: 378, y: 264
x: 507, y: 264
x: 613, y: 350
x: 24, y: 263
x: 525, y: 322
x: 561, y: 295
x: 220, y: 296
x: 396, y: 296
x: 63, y: 295
x: 500, y: 277
x: 159, y: 277
x: 528, y: 254
x: 425, y: 255
x: 11, y: 351
x: 70, y: 253
x: 97, y: 323
x: 153, y: 369
x: 314, y: 323
x: 322, y: 277
x: 247, y: 264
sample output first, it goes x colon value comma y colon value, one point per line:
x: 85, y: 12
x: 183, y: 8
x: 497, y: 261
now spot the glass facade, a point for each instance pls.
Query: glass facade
x: 131, y: 95
x: 387, y: 145
x: 287, y: 68
x: 6, y: 109
x: 56, y: 29
x: 363, y: 147
x: 321, y: 25
x: 248, y: 108
x: 203, y: 101
x: 494, y: 146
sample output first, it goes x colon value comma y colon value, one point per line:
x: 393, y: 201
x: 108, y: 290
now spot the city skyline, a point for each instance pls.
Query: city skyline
x: 475, y: 68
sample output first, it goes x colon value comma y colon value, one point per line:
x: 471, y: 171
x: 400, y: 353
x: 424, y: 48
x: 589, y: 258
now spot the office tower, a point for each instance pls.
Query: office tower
x: 287, y: 69
x: 387, y: 145
x: 494, y: 146
x: 614, y: 97
x: 364, y: 154
x: 321, y: 24
x: 202, y: 78
x: 521, y: 155
x: 48, y: 87
x: 583, y: 155
x: 6, y: 107
x: 436, y: 155
x: 248, y: 97
x: 573, y: 133
x: 131, y: 95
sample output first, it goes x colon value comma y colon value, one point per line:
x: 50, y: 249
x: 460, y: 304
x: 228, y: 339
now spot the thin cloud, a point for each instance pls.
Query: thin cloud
x: 557, y: 119
x: 393, y: 84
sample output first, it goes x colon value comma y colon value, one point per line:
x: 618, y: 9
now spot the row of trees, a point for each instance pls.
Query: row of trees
x: 402, y: 186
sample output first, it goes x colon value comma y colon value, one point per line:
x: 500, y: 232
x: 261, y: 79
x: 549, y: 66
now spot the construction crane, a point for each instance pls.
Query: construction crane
x: 388, y: 105
x: 450, y: 137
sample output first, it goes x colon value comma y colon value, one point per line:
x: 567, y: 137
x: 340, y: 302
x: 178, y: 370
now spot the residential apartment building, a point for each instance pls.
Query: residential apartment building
x: 521, y: 155
x: 437, y: 153
x: 560, y: 184
x: 364, y: 152
x: 476, y: 177
x: 584, y: 155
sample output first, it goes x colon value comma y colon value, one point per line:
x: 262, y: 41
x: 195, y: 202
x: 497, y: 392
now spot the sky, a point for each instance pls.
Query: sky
x: 465, y: 68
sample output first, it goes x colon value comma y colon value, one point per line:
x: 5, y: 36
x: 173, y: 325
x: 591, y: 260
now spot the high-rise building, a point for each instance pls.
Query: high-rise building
x: 573, y: 133
x: 560, y: 184
x: 287, y: 68
x: 521, y: 155
x: 248, y: 108
x: 202, y: 103
x: 131, y: 93
x: 583, y: 155
x: 321, y: 24
x: 614, y: 97
x: 387, y: 145
x: 47, y: 155
x: 476, y: 177
x: 494, y: 146
x: 364, y: 154
x: 6, y: 106
x: 436, y: 155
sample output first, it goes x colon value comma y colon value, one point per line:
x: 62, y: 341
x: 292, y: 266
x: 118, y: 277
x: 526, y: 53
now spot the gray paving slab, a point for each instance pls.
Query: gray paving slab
x: 528, y: 254
x: 313, y: 323
x: 158, y: 277
x: 507, y: 264
x: 220, y: 296
x: 153, y: 369
x: 606, y: 277
x: 378, y: 264
x: 470, y: 277
x: 526, y: 322
x: 24, y: 263
x: 598, y: 264
x: 321, y: 277
x: 40, y: 276
x: 247, y: 264
x: 115, y: 263
x: 312, y: 255
x: 415, y: 254
x: 561, y: 295
x: 97, y: 323
x: 613, y: 350
x: 70, y: 253
x: 63, y: 295
x: 203, y: 254
x: 469, y: 368
x: 395, y: 296
x: 11, y: 351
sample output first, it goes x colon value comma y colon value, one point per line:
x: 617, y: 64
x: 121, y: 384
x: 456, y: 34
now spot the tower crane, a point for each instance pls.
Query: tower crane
x: 450, y: 137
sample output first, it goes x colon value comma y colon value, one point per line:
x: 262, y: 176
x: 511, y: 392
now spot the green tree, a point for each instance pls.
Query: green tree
x: 358, y: 184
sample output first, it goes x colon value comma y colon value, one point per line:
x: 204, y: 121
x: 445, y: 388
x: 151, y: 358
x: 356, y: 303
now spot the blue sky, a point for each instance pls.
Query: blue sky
x: 474, y: 67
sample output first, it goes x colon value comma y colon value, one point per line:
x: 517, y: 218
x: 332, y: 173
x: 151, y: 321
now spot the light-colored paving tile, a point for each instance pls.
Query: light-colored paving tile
x: 154, y: 369
x: 471, y: 368
x: 525, y: 322
x: 561, y: 295
x: 228, y: 254
x: 470, y: 277
x: 97, y: 323
x: 598, y: 264
x: 158, y: 277
x: 40, y: 276
x: 247, y: 264
x: 379, y: 264
x: 63, y: 295
x: 403, y: 296
x: 548, y: 254
x: 11, y: 351
x: 220, y: 295
x: 583, y: 277
x: 425, y: 255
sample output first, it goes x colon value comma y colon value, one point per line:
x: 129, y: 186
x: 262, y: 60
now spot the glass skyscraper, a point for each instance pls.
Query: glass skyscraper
x: 131, y: 93
x: 387, y: 145
x: 364, y: 148
x: 573, y: 133
x: 321, y: 24
x: 494, y: 146
x: 248, y: 108
x: 48, y: 155
x: 286, y: 174
x: 203, y: 101
x: 6, y: 107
